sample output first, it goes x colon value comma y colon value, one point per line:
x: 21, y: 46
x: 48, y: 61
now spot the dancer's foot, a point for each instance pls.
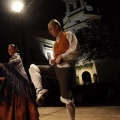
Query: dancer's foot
x: 41, y: 97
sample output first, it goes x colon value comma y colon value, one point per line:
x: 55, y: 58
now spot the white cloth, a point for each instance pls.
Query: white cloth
x: 35, y: 76
x: 66, y: 101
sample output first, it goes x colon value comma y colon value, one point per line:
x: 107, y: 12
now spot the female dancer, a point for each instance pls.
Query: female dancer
x: 16, y: 97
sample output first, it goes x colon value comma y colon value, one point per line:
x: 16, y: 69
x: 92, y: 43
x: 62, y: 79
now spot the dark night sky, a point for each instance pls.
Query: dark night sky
x: 49, y: 9
x: 38, y: 18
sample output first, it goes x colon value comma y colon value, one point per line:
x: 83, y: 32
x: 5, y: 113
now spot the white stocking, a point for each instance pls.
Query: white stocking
x: 71, y: 111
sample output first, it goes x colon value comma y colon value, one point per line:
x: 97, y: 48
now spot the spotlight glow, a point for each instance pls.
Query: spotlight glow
x: 17, y: 6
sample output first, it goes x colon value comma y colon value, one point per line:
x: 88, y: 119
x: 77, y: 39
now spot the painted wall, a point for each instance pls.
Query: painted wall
x: 90, y: 70
x: 106, y: 70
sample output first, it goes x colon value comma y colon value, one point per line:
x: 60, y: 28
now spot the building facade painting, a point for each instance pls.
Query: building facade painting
x: 86, y: 72
x: 97, y: 71
x: 77, y: 13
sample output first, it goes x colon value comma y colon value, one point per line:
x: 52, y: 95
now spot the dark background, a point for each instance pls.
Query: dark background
x: 37, y: 16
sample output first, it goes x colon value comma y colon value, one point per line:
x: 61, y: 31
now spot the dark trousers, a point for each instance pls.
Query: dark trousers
x: 64, y: 75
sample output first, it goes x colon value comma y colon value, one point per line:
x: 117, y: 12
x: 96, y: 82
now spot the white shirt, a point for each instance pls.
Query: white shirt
x: 71, y: 55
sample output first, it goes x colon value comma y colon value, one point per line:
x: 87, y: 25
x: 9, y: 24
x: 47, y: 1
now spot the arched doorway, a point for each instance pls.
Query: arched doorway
x: 86, y: 77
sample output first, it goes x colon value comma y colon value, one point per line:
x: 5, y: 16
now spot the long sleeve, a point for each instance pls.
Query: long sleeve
x: 16, y: 62
x: 74, y: 48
